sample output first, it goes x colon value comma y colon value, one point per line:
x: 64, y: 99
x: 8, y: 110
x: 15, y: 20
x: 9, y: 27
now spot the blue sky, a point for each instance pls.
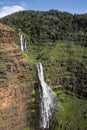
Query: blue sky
x: 72, y: 6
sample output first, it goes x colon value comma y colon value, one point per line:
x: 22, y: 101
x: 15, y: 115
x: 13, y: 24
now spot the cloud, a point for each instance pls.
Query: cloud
x: 6, y: 10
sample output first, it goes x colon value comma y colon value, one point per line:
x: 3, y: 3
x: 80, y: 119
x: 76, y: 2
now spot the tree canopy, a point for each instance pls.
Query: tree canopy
x: 53, y: 25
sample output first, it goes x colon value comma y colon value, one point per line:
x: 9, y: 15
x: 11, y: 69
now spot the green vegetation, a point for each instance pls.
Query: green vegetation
x: 26, y: 128
x: 60, y: 50
x: 29, y: 57
x: 40, y: 26
x: 1, y: 118
x: 72, y: 111
x: 32, y: 100
x: 33, y: 92
x: 72, y: 114
x: 2, y: 64
x: 68, y: 51
x: 59, y: 41
x: 24, y: 83
x: 65, y: 64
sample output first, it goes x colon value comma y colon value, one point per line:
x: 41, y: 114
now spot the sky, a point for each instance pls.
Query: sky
x: 72, y: 6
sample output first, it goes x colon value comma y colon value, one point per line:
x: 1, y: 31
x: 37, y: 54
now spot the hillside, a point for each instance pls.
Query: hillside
x: 16, y: 82
x: 56, y: 39
x: 59, y: 41
x: 49, y: 26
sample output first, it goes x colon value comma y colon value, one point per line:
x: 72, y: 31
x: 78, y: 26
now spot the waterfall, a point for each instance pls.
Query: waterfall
x: 25, y: 46
x: 22, y: 42
x: 48, y: 101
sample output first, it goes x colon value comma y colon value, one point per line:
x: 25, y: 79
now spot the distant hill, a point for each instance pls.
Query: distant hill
x: 41, y: 26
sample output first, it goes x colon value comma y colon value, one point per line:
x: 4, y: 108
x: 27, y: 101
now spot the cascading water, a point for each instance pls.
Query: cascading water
x: 22, y: 42
x: 48, y: 101
x: 25, y: 46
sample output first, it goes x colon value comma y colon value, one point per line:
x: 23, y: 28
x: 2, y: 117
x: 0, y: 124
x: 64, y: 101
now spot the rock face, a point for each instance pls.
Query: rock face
x: 15, y: 82
x: 6, y: 34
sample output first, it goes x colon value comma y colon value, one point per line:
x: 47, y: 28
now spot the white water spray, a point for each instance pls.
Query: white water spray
x: 48, y: 101
x: 22, y: 42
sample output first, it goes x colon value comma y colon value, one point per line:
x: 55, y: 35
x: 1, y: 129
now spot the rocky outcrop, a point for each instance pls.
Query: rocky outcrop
x: 6, y: 34
x: 16, y: 82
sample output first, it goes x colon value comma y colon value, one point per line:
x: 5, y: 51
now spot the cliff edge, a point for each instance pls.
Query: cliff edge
x: 15, y: 82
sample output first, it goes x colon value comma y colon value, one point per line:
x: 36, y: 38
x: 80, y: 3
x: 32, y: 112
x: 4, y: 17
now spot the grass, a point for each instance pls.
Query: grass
x: 57, y: 86
x: 72, y: 111
x: 72, y: 114
x: 29, y: 57
x: 32, y: 100
x: 68, y: 51
x: 26, y: 128
x: 2, y: 64
x: 1, y: 121
x: 33, y: 92
x: 56, y: 58
x: 24, y: 83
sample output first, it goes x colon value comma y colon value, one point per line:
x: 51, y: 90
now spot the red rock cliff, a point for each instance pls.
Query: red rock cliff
x: 15, y: 82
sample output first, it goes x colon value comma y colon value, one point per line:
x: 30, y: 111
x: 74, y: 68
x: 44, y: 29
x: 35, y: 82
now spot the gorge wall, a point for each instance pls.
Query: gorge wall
x: 16, y: 82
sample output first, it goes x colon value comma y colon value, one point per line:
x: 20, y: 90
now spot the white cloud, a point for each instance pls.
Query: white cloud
x: 6, y: 10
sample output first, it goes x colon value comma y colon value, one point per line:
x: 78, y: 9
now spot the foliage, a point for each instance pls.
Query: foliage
x: 64, y: 64
x: 58, y: 40
x: 2, y: 64
x: 71, y: 114
x: 49, y: 26
x: 29, y: 57
x: 26, y: 128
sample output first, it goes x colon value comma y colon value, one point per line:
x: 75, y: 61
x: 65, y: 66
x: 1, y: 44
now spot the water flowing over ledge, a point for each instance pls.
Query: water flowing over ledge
x: 23, y: 43
x: 48, y: 101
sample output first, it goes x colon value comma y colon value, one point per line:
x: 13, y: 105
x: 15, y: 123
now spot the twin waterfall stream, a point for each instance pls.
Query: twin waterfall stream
x: 48, y: 101
x: 23, y: 44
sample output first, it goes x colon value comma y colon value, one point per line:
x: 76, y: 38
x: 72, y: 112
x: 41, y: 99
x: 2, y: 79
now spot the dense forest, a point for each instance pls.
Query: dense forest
x: 59, y: 41
x: 56, y: 38
x: 41, y: 26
